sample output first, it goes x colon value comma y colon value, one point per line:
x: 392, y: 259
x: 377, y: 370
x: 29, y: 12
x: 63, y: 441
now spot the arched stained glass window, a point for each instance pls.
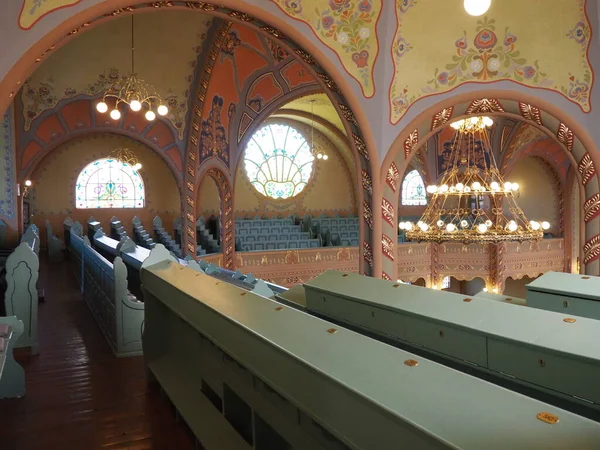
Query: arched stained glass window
x: 413, y: 189
x: 278, y: 161
x: 107, y: 183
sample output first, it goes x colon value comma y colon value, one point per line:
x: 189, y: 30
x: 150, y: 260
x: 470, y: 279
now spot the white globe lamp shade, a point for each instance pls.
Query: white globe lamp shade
x: 477, y: 7
x: 319, y: 156
x: 460, y: 187
x: 488, y: 223
x: 534, y: 225
x: 515, y: 186
x: 150, y: 116
x: 512, y: 226
x: 115, y: 114
x: 545, y: 225
x: 432, y: 189
x: 101, y: 107
x: 440, y: 223
x: 476, y: 186
x: 482, y: 228
x: 325, y: 157
x: 450, y: 228
x: 135, y: 105
x: 28, y: 183
x: 162, y: 110
x: 409, y: 225
x: 464, y: 223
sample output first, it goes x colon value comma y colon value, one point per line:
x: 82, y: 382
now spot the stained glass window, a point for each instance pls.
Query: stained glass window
x: 278, y: 161
x: 446, y: 283
x: 108, y: 183
x: 413, y: 189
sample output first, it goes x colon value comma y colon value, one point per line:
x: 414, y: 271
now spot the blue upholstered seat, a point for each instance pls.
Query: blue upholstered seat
x: 282, y: 245
x: 271, y: 246
x: 293, y: 244
x: 262, y: 238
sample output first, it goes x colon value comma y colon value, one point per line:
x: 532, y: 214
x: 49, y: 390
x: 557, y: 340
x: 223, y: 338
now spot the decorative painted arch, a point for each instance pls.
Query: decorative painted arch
x: 76, y: 118
x: 366, y: 155
x: 572, y: 139
x: 217, y: 171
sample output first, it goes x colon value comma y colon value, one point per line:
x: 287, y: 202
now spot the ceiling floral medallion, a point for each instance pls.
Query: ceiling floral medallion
x: 348, y: 27
x: 498, y: 46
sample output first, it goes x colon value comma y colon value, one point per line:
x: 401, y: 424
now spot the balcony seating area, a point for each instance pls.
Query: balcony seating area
x: 206, y: 240
x: 163, y: 237
x: 292, y: 233
x: 141, y: 236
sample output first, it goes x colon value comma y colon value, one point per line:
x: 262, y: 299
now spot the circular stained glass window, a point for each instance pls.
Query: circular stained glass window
x: 278, y: 161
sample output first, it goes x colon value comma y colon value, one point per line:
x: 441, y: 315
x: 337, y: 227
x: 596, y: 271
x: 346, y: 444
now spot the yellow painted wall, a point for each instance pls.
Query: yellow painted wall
x: 330, y: 190
x: 209, y: 201
x: 54, y: 185
x: 537, y: 197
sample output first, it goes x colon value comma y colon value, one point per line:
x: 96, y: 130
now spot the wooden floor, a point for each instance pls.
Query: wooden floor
x: 79, y: 396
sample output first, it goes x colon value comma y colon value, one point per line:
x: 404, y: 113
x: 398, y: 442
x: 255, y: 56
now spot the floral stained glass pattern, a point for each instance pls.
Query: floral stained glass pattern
x: 413, y: 190
x: 278, y: 161
x: 108, y: 183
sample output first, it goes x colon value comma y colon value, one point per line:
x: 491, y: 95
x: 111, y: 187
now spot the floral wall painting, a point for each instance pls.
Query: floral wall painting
x: 500, y: 45
x: 33, y: 11
x: 348, y: 27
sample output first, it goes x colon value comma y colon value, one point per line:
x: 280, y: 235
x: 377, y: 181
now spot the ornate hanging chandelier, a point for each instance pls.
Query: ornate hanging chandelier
x: 125, y: 156
x: 134, y: 92
x: 473, y: 203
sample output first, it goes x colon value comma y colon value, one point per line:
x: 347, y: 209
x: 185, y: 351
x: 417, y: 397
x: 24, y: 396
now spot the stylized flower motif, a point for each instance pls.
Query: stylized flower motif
x: 493, y: 64
x: 400, y: 103
x: 364, y: 33
x: 485, y: 39
x: 327, y: 21
x: 70, y: 92
x: 361, y: 59
x: 476, y: 65
x: 442, y: 78
x: 406, y: 5
x: 579, y: 91
x: 401, y: 47
x: 579, y: 33
x: 231, y: 43
x: 529, y: 72
x: 509, y: 39
x: 44, y: 91
x: 339, y: 5
x: 342, y: 38
x: 365, y: 5
x: 461, y: 43
x: 294, y: 6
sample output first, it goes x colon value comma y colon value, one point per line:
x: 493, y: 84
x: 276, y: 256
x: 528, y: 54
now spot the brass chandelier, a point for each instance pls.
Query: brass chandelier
x: 473, y: 203
x: 125, y: 156
x: 134, y: 92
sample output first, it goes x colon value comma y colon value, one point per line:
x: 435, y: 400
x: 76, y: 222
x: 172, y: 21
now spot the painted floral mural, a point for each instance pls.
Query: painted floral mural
x: 498, y: 46
x: 348, y: 27
x: 170, y: 69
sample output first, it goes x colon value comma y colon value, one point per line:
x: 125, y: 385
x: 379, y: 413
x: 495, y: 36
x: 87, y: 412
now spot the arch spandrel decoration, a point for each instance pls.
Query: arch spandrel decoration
x: 412, y: 139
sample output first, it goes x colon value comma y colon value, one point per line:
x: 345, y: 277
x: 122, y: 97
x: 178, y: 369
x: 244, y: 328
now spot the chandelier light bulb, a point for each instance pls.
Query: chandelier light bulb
x: 401, y: 226
x: 476, y: 186
x: 450, y: 228
x: 28, y: 183
x: 534, y: 225
x: 464, y: 223
x: 409, y: 226
x: 460, y: 187
x: 440, y: 223
x: 515, y: 186
x: 488, y: 223
x: 150, y: 116
x: 508, y: 186
x: 424, y: 227
x: 487, y: 121
x: 467, y: 189
x: 482, y: 228
x: 494, y: 186
x: 432, y: 189
x: 325, y: 157
x: 444, y: 188
x: 162, y: 110
x: 477, y: 7
x: 115, y: 114
x: 452, y: 189
x: 135, y: 105
x: 319, y: 156
x: 101, y: 107
x: 512, y: 226
x: 545, y: 225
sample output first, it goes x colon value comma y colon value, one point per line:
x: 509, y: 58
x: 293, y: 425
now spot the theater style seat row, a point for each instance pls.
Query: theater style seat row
x: 206, y: 242
x: 277, y: 234
x: 162, y: 236
x: 142, y: 237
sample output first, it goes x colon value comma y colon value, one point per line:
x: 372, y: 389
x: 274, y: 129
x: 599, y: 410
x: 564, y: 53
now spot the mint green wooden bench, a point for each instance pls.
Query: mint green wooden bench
x: 567, y: 293
x: 549, y: 352
x: 12, y: 375
x: 501, y: 298
x: 319, y: 386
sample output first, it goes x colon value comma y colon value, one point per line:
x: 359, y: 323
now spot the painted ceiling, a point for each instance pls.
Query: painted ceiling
x: 167, y: 48
x: 550, y: 52
x: 323, y: 108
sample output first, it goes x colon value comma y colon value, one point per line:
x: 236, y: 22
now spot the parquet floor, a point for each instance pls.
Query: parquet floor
x: 79, y: 396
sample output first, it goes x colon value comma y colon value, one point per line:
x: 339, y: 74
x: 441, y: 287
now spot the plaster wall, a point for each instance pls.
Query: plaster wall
x: 53, y: 197
x: 209, y: 202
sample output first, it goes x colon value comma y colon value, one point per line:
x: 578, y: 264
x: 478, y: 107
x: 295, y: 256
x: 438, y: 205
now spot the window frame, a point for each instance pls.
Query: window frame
x: 412, y: 177
x: 135, y: 180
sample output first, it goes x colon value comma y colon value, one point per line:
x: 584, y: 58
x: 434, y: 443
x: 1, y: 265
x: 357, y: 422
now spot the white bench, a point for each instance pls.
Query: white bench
x: 12, y: 375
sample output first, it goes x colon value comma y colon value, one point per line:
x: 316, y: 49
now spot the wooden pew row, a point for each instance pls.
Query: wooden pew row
x: 119, y: 314
x: 286, y: 379
x: 567, y: 293
x: 21, y: 296
x: 55, y: 245
x: 12, y: 375
x: 501, y: 298
x: 551, y: 353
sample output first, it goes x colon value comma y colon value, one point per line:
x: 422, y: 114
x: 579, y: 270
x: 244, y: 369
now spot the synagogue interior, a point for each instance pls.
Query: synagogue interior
x: 299, y: 224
